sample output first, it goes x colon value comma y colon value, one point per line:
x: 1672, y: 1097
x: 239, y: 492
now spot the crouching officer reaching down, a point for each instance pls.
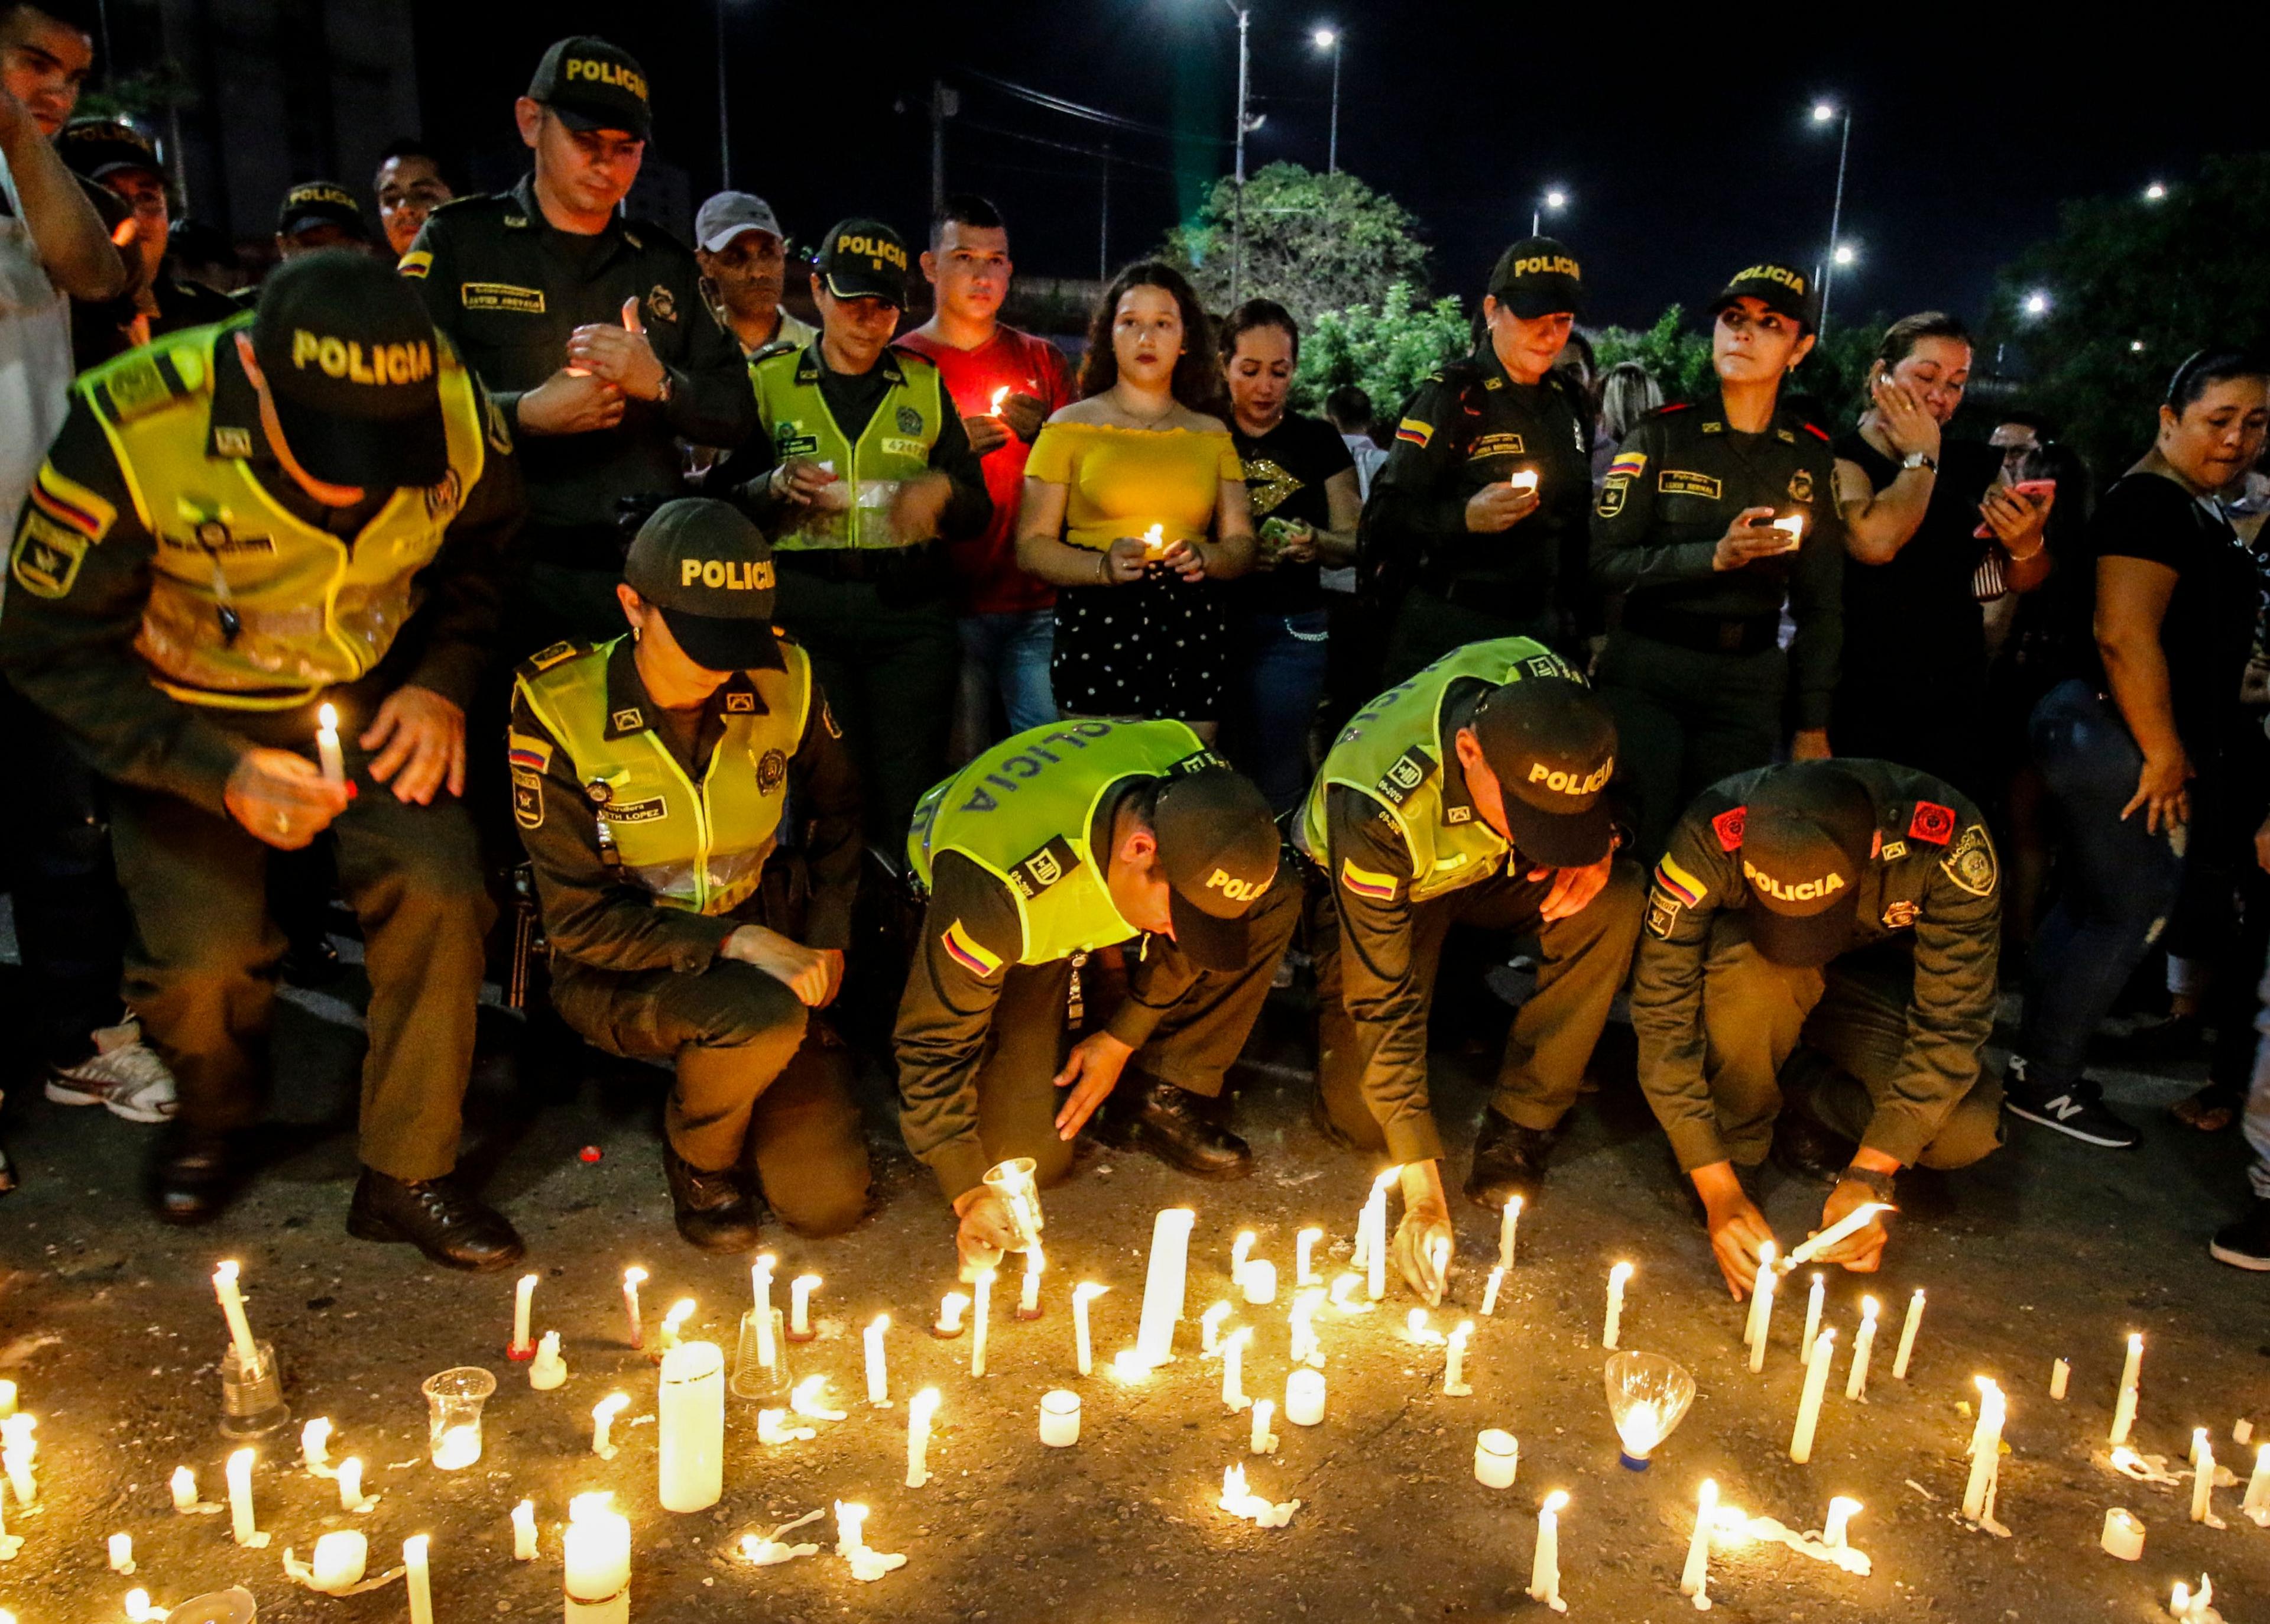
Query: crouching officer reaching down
x: 1473, y: 794
x: 1817, y: 974
x: 1054, y: 843
x: 307, y: 504
x: 653, y: 777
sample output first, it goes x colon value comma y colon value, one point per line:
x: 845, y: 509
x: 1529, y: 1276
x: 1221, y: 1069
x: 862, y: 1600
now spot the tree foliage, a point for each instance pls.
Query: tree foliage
x: 1384, y: 348
x: 1313, y: 242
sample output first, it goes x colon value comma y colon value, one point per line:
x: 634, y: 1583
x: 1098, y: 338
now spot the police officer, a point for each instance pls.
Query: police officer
x: 693, y: 818
x: 1817, y: 974
x: 861, y: 473
x: 317, y: 215
x: 1486, y: 489
x: 1055, y: 842
x: 113, y: 154
x: 303, y: 506
x: 1713, y: 516
x: 1474, y: 794
x: 591, y: 333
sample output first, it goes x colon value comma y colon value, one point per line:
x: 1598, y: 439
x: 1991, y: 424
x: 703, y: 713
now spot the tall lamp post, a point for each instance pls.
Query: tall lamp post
x: 1825, y: 112
x: 724, y: 140
x: 1244, y: 81
x: 1552, y: 202
x: 1330, y: 39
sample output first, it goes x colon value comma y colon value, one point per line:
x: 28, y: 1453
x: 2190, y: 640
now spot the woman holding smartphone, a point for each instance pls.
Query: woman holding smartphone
x: 1914, y: 505
x: 1135, y: 510
x: 1712, y: 517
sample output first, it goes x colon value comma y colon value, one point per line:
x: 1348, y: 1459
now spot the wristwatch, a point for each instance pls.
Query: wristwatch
x: 668, y: 388
x: 1921, y: 459
x: 1878, y: 1184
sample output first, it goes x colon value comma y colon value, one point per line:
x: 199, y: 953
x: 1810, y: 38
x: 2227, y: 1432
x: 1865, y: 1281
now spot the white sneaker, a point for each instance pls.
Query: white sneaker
x: 124, y: 1075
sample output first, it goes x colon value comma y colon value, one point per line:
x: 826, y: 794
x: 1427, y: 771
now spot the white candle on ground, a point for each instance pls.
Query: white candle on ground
x: 1617, y: 1275
x: 1307, y: 1348
x: 2123, y: 1536
x: 950, y: 1309
x: 1240, y: 1251
x: 315, y: 1446
x: 2202, y: 1477
x: 2060, y: 1377
x: 523, y: 1532
x: 7, y: 1398
x: 417, y: 1562
x: 2258, y: 1487
x: 121, y: 1550
x: 338, y: 1562
x: 185, y: 1488
x: 1759, y: 1330
x: 1083, y: 1344
x: 1343, y: 1297
x: 918, y: 1413
x: 1809, y: 1408
x: 1209, y: 1328
x: 631, y: 1279
x: 1028, y: 1301
x: 1696, y: 1577
x: 1497, y: 1458
x: 1986, y: 1451
x: 597, y: 1552
x: 1815, y: 1300
x: 327, y: 744
x: 350, y: 1480
x: 1841, y: 1512
x: 1490, y: 1291
x: 1304, y: 1398
x: 1263, y: 1440
x: 878, y: 1375
x: 1304, y: 1256
x: 1260, y: 1281
x: 979, y: 1322
x: 800, y: 1307
x: 547, y: 1370
x: 1454, y: 1383
x: 1544, y: 1566
x: 760, y: 1288
x: 1233, y: 1368
x: 232, y: 1308
x: 1509, y: 1225
x: 690, y: 1413
x: 458, y: 1447
x: 1856, y: 1386
x: 603, y: 1421
x: 1060, y: 1418
x: 1373, y: 1234
x: 2124, y: 1409
x: 1163, y: 1286
x: 239, y: 1498
x: 1908, y: 1337
x: 523, y: 1303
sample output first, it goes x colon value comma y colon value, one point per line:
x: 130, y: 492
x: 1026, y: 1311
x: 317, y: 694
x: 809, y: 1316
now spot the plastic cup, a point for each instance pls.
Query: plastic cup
x: 453, y: 1415
x: 252, y: 1401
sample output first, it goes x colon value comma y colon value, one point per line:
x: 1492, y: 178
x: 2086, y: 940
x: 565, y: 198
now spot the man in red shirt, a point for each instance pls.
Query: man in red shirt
x: 1005, y: 384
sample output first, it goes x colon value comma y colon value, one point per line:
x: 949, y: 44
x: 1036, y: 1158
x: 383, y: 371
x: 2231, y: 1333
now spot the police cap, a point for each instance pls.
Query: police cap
x: 1551, y: 743
x: 350, y: 357
x: 1536, y: 277
x: 710, y: 572
x: 1778, y: 285
x: 864, y: 259
x: 1219, y: 847
x: 320, y: 203
x: 97, y: 147
x: 1808, y: 834
x: 592, y: 85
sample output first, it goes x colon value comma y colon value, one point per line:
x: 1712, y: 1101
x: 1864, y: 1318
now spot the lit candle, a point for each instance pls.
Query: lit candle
x: 185, y: 1489
x: 1524, y: 480
x: 1083, y: 1344
x: 690, y: 1411
x: 121, y: 1549
x: 1454, y: 1383
x: 2257, y: 1504
x: 1415, y: 1327
x: 1163, y: 1286
x: 1304, y: 1398
x: 1490, y: 1290
x: 999, y: 395
x: 850, y: 1525
x: 773, y: 1430
x: 1852, y: 1223
x: 1060, y: 1418
x: 523, y: 1532
x: 1696, y: 1580
x: 1232, y: 1368
x: 522, y: 1346
x: 950, y: 1309
x: 1307, y: 1349
x: 1209, y: 1328
x: 1028, y: 1299
x: 1841, y: 1512
x: 1793, y: 527
x: 2202, y: 1478
x: 1908, y: 1336
x: 327, y: 744
x: 631, y: 1279
x: 672, y: 1322
x: 1760, y: 1332
x: 1986, y: 1451
x: 1304, y: 1255
x: 2060, y: 1378
x: 1240, y: 1250
x: 1509, y: 1225
x: 7, y: 1398
x: 1814, y: 1301
x: 918, y: 1415
x: 240, y: 1328
x: 315, y: 1446
x: 1371, y: 1233
x: 2124, y: 1410
x: 1544, y: 1567
x: 240, y: 1500
x: 1497, y: 1458
x: 1260, y: 1282
x: 597, y: 1552
x: 800, y: 1307
x: 1617, y: 1275
x: 878, y: 1375
x: 602, y: 1421
x: 760, y: 1288
x: 418, y: 1569
x: 1154, y: 541
x: 350, y: 1479
x: 979, y: 1321
x: 547, y: 1370
x: 2123, y: 1536
x: 1809, y: 1408
x: 1262, y: 1442
x: 458, y: 1447
x: 1857, y: 1385
x: 338, y: 1563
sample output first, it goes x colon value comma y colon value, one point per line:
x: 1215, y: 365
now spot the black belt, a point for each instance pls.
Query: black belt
x: 875, y: 564
x: 1704, y: 633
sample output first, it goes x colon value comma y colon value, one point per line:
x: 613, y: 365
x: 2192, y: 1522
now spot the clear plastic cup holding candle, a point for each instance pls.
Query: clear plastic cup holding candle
x: 1013, y: 1182
x: 252, y: 1397
x: 453, y: 1419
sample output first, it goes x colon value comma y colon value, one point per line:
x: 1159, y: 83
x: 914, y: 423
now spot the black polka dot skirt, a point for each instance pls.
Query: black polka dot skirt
x: 1154, y: 648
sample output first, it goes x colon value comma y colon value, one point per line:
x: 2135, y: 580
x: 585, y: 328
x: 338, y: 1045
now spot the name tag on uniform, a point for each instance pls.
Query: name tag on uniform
x: 1497, y: 445
x: 892, y: 446
x: 502, y: 296
x: 1679, y: 482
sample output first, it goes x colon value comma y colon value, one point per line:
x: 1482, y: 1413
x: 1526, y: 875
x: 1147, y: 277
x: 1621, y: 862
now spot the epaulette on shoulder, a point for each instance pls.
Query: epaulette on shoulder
x: 777, y: 348
x: 142, y: 381
x: 474, y: 203
x: 1458, y: 373
x: 544, y: 659
x: 1816, y: 431
x: 1668, y: 407
x: 646, y: 236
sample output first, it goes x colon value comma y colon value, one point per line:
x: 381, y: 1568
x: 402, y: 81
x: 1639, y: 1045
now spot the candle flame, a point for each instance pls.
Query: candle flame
x: 1641, y: 1427
x: 881, y: 1322
x: 1381, y: 1184
x: 925, y: 1405
x: 1869, y: 1309
x: 1621, y: 1272
x: 584, y: 1507
x: 328, y: 718
x: 999, y: 396
x: 1087, y: 1291
x: 680, y: 1311
x: 610, y: 1407
x: 1554, y: 1501
x: 225, y: 1274
x: 634, y: 1275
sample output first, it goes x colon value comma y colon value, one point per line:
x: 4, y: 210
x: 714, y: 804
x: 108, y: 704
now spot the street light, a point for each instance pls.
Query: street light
x: 1845, y: 254
x: 1553, y: 201
x: 1823, y: 113
x: 2037, y: 304
x: 1330, y: 39
x: 2154, y: 192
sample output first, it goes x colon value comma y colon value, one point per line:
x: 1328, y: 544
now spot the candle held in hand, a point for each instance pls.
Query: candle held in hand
x: 1759, y: 1330
x: 327, y: 745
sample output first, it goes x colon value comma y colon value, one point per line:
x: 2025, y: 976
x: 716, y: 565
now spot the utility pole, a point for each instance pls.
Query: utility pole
x: 1237, y: 221
x: 724, y: 139
x: 944, y: 104
x: 1835, y: 215
x: 1332, y: 145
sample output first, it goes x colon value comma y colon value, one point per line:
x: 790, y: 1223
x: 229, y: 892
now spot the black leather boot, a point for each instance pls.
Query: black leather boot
x: 1509, y: 1161
x: 1171, y: 1124
x: 439, y: 1219
x: 714, y: 1210
x: 193, y: 1174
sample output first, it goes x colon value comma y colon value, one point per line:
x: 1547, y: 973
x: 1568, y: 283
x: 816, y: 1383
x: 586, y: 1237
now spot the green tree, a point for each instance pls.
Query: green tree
x: 1384, y: 348
x: 1679, y: 360
x: 1313, y: 242
x: 2133, y: 286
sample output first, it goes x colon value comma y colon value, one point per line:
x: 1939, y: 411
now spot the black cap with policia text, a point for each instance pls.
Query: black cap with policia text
x: 1551, y: 742
x: 1538, y: 277
x: 1778, y: 286
x: 349, y: 355
x: 1219, y: 848
x: 864, y: 259
x: 592, y: 85
x: 320, y: 203
x: 1808, y: 834
x: 709, y: 571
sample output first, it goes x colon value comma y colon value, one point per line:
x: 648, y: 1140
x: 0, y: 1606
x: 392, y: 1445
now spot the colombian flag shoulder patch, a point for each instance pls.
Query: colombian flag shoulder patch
x: 1364, y: 883
x: 416, y: 262
x: 532, y: 754
x: 967, y: 952
x: 1410, y: 431
x: 1630, y: 464
x: 67, y: 502
x: 1680, y: 883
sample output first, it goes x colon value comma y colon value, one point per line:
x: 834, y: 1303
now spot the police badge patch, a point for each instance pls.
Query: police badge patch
x: 1970, y: 865
x: 1801, y: 485
x: 1045, y: 867
x: 1900, y: 915
x: 661, y: 305
x: 909, y: 421
x: 772, y: 771
x: 1413, y: 768
x: 739, y: 704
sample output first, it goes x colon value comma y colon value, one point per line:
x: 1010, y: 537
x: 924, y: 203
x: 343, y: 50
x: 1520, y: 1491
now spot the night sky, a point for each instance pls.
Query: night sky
x: 1688, y: 149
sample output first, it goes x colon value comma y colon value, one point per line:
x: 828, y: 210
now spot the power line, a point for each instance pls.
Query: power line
x: 1063, y: 146
x: 1073, y: 109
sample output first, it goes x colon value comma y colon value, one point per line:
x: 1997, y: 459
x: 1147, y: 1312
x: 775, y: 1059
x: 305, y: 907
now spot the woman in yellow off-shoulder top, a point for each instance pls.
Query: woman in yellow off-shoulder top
x: 1142, y: 630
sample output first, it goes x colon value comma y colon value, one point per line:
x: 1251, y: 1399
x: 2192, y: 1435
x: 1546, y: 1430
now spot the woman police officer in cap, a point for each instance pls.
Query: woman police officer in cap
x: 1714, y: 515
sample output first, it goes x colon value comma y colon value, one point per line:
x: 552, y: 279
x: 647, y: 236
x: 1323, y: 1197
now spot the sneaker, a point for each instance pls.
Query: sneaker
x: 124, y: 1075
x: 2077, y: 1111
x: 2246, y: 1244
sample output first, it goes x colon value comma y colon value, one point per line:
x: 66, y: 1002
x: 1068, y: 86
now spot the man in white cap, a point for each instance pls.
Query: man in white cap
x: 737, y: 238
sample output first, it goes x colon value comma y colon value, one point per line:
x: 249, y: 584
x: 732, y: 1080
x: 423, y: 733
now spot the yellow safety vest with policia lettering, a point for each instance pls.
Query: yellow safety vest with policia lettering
x: 697, y: 847
x: 250, y: 607
x: 1389, y: 751
x: 1023, y: 812
x: 893, y: 448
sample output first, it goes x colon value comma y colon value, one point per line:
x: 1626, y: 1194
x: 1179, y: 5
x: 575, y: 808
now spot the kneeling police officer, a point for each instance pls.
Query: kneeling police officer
x: 1824, y: 934
x: 693, y: 818
x: 1057, y: 842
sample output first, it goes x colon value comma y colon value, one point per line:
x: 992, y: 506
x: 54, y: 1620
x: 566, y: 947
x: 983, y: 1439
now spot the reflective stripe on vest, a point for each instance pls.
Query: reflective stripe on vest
x: 702, y: 849
x: 1023, y: 812
x: 1390, y: 748
x: 311, y: 609
x: 893, y: 448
